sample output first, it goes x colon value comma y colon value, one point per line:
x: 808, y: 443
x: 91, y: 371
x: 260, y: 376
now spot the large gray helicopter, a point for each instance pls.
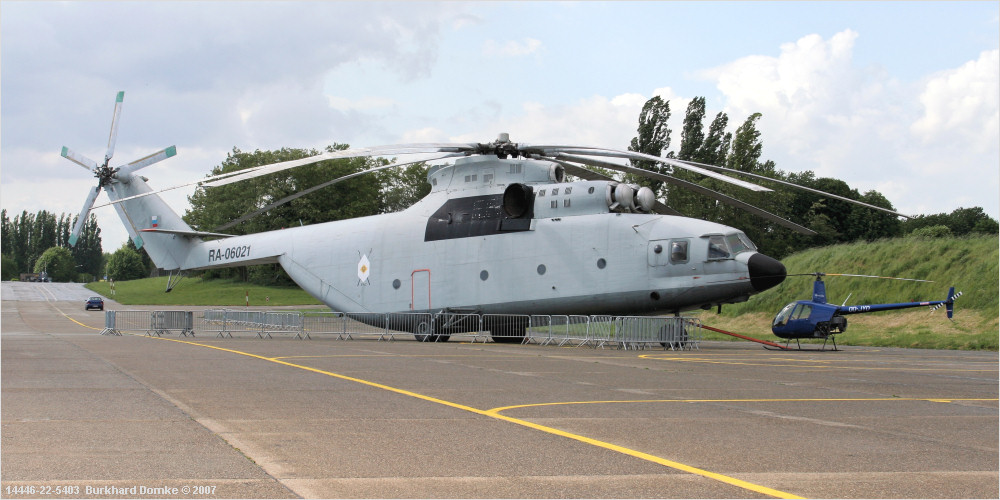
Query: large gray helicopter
x: 501, y: 232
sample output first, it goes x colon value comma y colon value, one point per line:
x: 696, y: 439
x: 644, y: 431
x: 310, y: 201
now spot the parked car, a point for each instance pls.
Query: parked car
x: 95, y: 303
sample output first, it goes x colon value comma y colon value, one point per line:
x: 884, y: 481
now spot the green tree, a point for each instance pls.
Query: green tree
x: 870, y: 224
x: 8, y: 268
x: 58, y: 263
x: 402, y: 187
x: 653, y: 139
x: 125, y: 264
x: 214, y: 209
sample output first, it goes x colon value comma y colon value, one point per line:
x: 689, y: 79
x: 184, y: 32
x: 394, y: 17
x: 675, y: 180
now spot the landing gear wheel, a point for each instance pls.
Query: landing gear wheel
x: 673, y: 336
x: 422, y: 333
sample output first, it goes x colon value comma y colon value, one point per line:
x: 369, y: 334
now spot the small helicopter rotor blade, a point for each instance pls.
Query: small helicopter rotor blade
x: 79, y: 159
x: 879, y: 277
x: 569, y: 152
x: 796, y: 186
x: 698, y: 189
x: 144, y: 162
x: 113, y: 136
x: 80, y: 222
x: 323, y: 185
x: 390, y: 150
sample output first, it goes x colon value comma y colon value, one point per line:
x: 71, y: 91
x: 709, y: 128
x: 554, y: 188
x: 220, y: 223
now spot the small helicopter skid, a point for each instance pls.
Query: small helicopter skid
x: 798, y: 346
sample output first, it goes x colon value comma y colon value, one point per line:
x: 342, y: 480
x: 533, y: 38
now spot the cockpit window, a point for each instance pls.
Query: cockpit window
x: 739, y: 243
x: 782, y: 318
x: 717, y: 248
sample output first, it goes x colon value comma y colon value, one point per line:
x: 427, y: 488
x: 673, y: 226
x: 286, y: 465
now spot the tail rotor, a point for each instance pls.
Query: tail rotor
x: 105, y: 173
x: 949, y: 303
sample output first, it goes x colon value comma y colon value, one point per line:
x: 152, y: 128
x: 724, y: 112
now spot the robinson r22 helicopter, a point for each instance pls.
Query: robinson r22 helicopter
x: 817, y: 319
x: 501, y: 232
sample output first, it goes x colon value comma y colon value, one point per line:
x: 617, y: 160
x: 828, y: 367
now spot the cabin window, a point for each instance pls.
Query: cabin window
x: 515, y: 168
x: 678, y: 251
x: 487, y: 178
x: 717, y: 248
x: 554, y: 204
x: 566, y: 202
x: 555, y: 191
x: 802, y: 312
x: 541, y: 192
x: 472, y: 178
x: 568, y: 190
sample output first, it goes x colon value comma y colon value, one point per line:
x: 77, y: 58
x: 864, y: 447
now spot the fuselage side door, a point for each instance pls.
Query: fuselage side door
x: 420, y: 291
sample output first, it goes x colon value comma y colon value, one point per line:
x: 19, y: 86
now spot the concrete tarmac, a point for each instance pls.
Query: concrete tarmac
x: 86, y: 415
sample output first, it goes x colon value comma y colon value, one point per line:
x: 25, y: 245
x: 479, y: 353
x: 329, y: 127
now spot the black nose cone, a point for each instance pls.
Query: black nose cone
x: 765, y: 272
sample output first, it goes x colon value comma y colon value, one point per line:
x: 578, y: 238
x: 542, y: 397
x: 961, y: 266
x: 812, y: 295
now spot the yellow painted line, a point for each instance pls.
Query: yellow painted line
x: 494, y: 414
x: 763, y: 400
x: 52, y: 303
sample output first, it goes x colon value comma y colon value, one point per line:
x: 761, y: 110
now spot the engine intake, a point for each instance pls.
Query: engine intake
x: 517, y: 200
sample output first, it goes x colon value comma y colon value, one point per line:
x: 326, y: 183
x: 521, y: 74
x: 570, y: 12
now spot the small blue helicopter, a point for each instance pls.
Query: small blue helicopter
x: 817, y: 319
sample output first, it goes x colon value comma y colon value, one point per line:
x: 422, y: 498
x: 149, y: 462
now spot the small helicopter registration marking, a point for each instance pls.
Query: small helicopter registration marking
x: 240, y: 252
x: 859, y: 309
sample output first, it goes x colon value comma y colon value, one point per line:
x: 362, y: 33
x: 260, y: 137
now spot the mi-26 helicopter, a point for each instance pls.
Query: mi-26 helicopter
x: 818, y: 319
x: 501, y: 232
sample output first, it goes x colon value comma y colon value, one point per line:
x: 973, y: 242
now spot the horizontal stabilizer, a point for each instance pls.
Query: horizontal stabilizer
x: 188, y: 234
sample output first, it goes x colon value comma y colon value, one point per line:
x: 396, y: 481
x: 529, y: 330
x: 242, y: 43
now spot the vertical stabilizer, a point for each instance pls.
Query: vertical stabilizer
x: 167, y: 251
x: 819, y: 291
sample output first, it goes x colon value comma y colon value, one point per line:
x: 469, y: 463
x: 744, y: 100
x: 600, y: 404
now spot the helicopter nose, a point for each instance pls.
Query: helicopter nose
x: 765, y: 272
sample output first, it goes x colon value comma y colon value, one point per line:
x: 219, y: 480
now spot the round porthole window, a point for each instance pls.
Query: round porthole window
x: 484, y: 275
x: 601, y: 263
x: 396, y: 284
x: 541, y: 269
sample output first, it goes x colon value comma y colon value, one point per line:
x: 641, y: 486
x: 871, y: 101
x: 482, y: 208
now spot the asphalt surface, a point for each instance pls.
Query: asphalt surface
x: 86, y: 415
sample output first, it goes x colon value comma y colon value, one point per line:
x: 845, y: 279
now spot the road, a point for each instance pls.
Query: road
x: 280, y: 418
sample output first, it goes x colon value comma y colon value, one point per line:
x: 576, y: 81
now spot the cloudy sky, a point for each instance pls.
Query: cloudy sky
x: 901, y: 97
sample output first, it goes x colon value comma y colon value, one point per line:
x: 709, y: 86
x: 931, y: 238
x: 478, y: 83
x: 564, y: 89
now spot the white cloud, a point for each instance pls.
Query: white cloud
x: 963, y: 101
x: 511, y: 48
x: 822, y: 113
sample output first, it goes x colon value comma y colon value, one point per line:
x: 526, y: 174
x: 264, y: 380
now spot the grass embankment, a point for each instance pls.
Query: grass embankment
x: 969, y: 264
x: 198, y: 292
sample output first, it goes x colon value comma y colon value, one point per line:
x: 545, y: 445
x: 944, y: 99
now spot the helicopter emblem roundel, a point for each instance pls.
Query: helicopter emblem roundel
x: 364, y: 269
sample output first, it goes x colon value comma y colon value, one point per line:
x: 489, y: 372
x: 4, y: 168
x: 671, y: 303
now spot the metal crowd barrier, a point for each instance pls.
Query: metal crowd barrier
x: 263, y: 323
x: 623, y: 332
x: 151, y: 322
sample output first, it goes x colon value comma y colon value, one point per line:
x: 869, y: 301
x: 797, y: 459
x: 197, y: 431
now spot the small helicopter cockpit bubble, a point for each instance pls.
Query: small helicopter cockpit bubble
x: 782, y: 318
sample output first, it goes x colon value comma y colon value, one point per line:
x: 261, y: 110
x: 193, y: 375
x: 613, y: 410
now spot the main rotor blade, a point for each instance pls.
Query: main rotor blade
x: 570, y: 151
x: 804, y: 188
x: 144, y: 162
x: 389, y: 150
x: 321, y: 186
x: 171, y: 188
x: 702, y: 190
x: 113, y: 137
x: 87, y: 205
x: 79, y: 159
